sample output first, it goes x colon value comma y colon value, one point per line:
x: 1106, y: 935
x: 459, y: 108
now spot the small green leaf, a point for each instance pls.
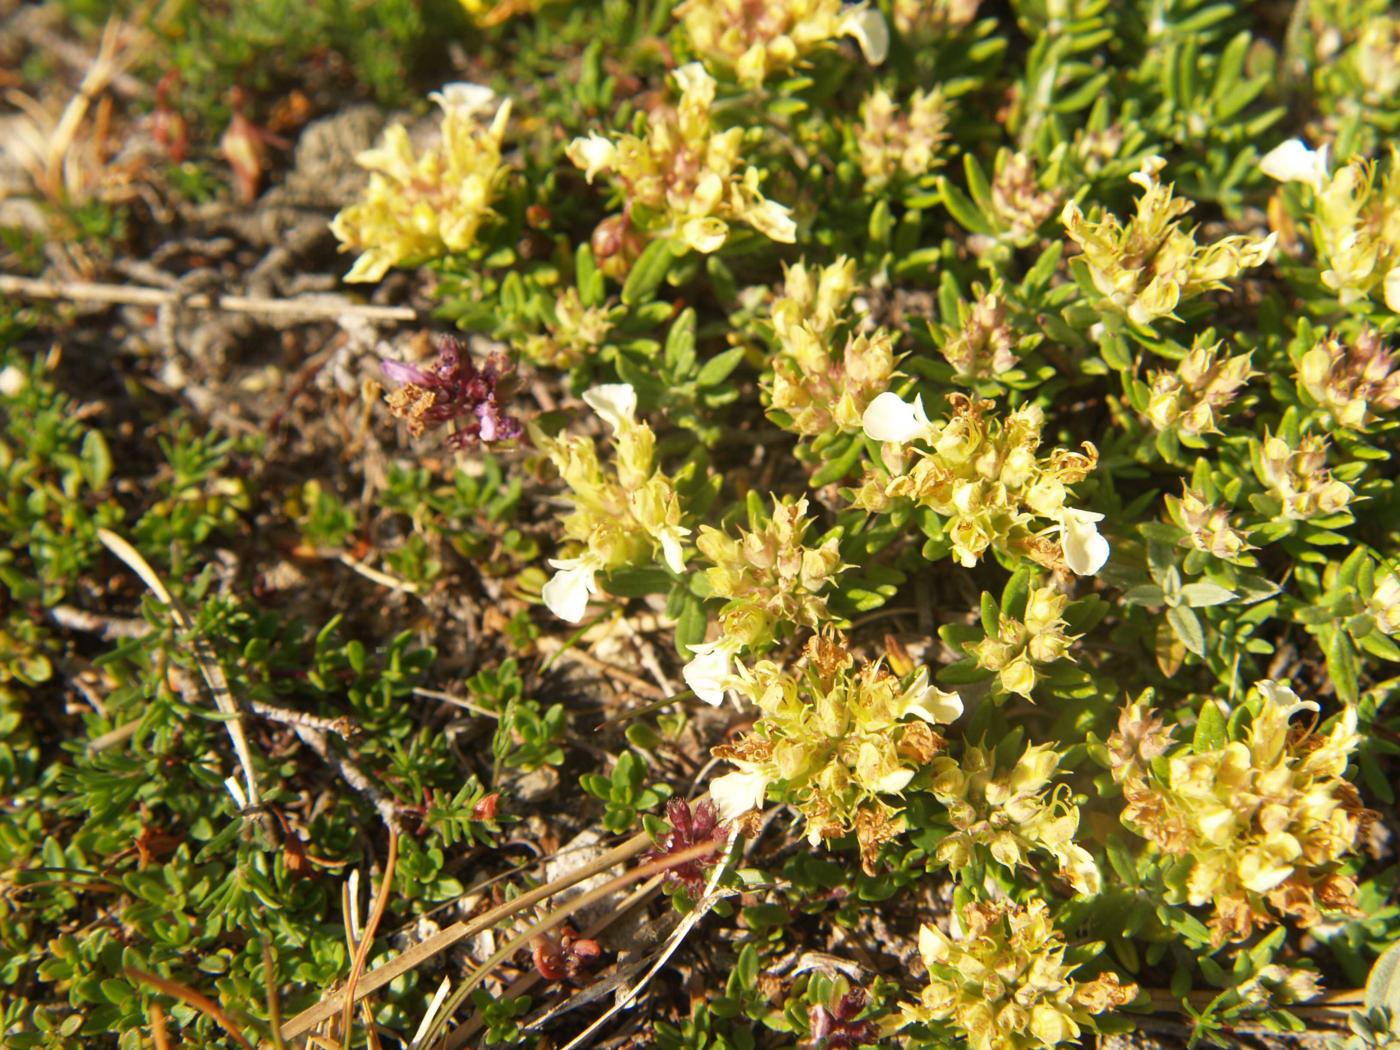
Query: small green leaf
x: 1210, y: 730
x: 648, y: 272
x: 1187, y: 627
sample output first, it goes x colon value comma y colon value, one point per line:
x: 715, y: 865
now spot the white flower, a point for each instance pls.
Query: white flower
x: 734, y: 794
x: 614, y: 402
x: 593, y: 154
x: 773, y: 220
x: 1284, y: 698
x: 464, y: 99
x: 709, y: 670
x: 705, y: 235
x: 670, y: 538
x: 1085, y: 550
x: 692, y: 79
x: 890, y: 419
x: 1292, y: 161
x: 932, y: 704
x: 567, y: 593
x: 12, y: 381
x: 1392, y: 289
x: 868, y: 28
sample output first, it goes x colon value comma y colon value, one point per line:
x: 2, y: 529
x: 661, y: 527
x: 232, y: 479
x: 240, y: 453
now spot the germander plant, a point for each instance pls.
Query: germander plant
x: 993, y: 409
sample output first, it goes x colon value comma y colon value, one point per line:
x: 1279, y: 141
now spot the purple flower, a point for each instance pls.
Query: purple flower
x: 454, y: 390
x: 689, y: 830
x: 837, y: 1028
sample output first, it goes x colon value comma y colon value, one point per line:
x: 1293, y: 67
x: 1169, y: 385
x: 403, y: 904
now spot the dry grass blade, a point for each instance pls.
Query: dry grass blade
x: 203, y: 653
x: 444, y: 939
x: 160, y: 1036
x: 702, y: 908
x: 301, y: 308
x: 367, y: 941
x: 274, y: 998
x: 190, y: 997
x: 555, y: 918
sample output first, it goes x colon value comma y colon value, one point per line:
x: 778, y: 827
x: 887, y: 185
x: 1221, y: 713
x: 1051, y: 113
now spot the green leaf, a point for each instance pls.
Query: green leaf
x: 1203, y: 593
x: 1210, y: 730
x: 718, y: 368
x: 96, y: 460
x: 1383, y: 984
x: 1187, y: 627
x: 648, y: 272
x: 1342, y: 667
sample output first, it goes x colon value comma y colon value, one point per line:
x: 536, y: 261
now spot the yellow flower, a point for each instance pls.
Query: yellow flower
x: 756, y: 40
x: 420, y: 207
x: 685, y: 179
x: 818, y: 386
x: 1355, y: 383
x: 1194, y: 396
x: 836, y: 741
x: 1006, y: 814
x: 894, y: 140
x: 1148, y: 266
x: 627, y: 516
x: 984, y: 476
x: 1002, y: 983
x: 1265, y: 821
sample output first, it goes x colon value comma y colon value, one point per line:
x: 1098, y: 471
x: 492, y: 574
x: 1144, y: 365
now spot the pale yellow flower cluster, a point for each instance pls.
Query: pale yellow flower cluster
x: 758, y: 38
x: 1147, y: 267
x: 984, y: 344
x: 768, y: 578
x: 685, y: 179
x: 1019, y: 646
x: 1006, y: 814
x: 1191, y: 399
x: 1002, y: 983
x: 1355, y: 219
x: 1356, y: 383
x: 1207, y: 526
x: 1020, y: 204
x: 1384, y: 604
x: 820, y: 385
x: 1265, y: 821
x: 835, y: 741
x: 895, y: 140
x: 922, y: 18
x: 626, y: 515
x: 985, y: 477
x: 1297, y: 477
x: 574, y: 333
x: 419, y: 207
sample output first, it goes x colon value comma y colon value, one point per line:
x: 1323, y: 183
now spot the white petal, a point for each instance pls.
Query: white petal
x: 895, y: 780
x: 1085, y: 550
x: 464, y: 99
x: 1284, y: 698
x: 868, y: 28
x: 566, y: 594
x: 693, y: 80
x: 890, y: 419
x: 734, y: 794
x: 12, y: 381
x: 708, y: 672
x: 593, y: 154
x: 1392, y: 289
x: 933, y: 704
x: 671, y: 550
x: 1294, y: 162
x: 614, y: 402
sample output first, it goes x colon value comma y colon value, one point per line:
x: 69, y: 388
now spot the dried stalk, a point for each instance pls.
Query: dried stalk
x: 203, y: 653
x: 308, y: 308
x: 444, y: 939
